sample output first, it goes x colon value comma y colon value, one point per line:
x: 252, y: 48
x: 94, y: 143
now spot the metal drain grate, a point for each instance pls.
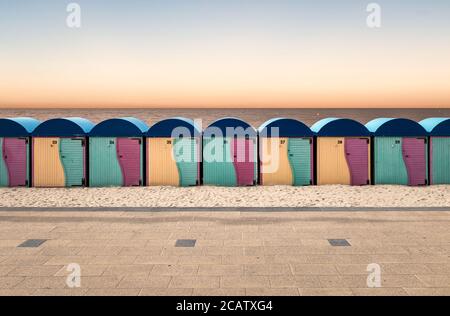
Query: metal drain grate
x: 32, y: 243
x: 185, y: 243
x: 339, y: 243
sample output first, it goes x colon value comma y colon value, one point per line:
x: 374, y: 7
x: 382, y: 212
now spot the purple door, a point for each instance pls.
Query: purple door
x: 357, y: 155
x: 414, y: 155
x: 243, y: 160
x: 15, y: 155
x: 129, y: 155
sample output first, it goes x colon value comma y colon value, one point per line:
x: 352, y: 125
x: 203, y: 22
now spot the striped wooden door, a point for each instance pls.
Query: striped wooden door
x: 332, y: 165
x: 414, y: 155
x: 104, y: 167
x: 300, y: 159
x: 388, y: 161
x: 440, y: 160
x: 48, y: 170
x: 129, y: 154
x: 243, y: 160
x: 72, y: 158
x: 275, y: 166
x: 15, y: 155
x: 162, y: 168
x: 4, y: 177
x: 357, y: 153
x: 185, y: 151
x: 218, y: 168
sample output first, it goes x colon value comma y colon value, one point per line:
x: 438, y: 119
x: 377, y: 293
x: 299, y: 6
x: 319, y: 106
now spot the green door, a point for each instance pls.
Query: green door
x: 71, y: 152
x: 299, y: 153
x: 187, y: 163
x: 440, y: 160
x: 389, y: 165
x: 104, y: 167
x: 218, y: 167
x: 4, y: 178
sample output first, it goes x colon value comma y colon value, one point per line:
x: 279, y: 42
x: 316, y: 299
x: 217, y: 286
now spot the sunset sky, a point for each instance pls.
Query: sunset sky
x: 224, y: 53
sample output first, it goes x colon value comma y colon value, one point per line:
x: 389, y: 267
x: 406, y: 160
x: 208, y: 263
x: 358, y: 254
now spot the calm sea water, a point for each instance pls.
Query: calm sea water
x: 254, y: 116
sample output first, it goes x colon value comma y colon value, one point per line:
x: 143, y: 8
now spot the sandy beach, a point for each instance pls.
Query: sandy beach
x: 276, y: 196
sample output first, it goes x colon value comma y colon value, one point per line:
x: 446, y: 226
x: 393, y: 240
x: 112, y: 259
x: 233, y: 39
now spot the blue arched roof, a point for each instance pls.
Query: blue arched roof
x: 64, y: 127
x: 437, y: 126
x: 120, y: 127
x: 17, y: 126
x: 286, y: 128
x: 395, y: 127
x: 165, y: 127
x: 231, y: 122
x: 339, y: 127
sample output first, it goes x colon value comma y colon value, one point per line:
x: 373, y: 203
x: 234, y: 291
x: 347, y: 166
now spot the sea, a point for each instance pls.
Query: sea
x: 253, y: 116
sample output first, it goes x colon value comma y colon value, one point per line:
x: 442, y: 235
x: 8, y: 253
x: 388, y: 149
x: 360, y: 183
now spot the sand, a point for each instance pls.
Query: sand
x: 276, y: 196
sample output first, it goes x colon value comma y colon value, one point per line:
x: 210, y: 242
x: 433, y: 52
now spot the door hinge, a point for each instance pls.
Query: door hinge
x: 368, y: 181
x: 310, y: 182
x: 83, y: 143
x: 83, y: 181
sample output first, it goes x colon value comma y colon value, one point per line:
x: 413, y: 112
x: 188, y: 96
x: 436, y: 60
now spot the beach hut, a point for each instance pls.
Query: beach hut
x: 439, y: 149
x: 343, y: 152
x: 230, y: 153
x: 15, y: 150
x: 173, y: 153
x: 116, y: 148
x: 59, y: 152
x: 285, y: 153
x: 399, y: 151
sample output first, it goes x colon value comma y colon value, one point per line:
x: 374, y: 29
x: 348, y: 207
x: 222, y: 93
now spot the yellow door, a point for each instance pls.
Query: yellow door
x: 332, y: 165
x: 162, y: 167
x: 47, y: 167
x: 275, y: 166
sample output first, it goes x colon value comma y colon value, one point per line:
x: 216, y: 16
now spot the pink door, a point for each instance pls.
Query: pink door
x: 357, y: 154
x: 129, y: 155
x: 15, y: 156
x: 243, y: 160
x: 414, y: 156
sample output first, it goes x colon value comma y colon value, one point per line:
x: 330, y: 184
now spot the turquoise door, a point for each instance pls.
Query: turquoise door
x: 440, y: 160
x: 71, y: 152
x: 187, y: 163
x: 104, y: 167
x: 218, y: 167
x: 4, y: 179
x: 299, y: 153
x: 389, y: 165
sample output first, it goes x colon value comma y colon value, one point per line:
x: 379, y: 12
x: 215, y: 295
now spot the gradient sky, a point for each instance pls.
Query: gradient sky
x: 225, y: 53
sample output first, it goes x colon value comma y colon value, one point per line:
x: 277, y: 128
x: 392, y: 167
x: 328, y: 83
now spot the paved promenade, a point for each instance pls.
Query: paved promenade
x: 272, y: 252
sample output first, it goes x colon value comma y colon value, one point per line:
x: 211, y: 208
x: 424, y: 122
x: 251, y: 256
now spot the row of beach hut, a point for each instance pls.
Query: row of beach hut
x: 68, y: 152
